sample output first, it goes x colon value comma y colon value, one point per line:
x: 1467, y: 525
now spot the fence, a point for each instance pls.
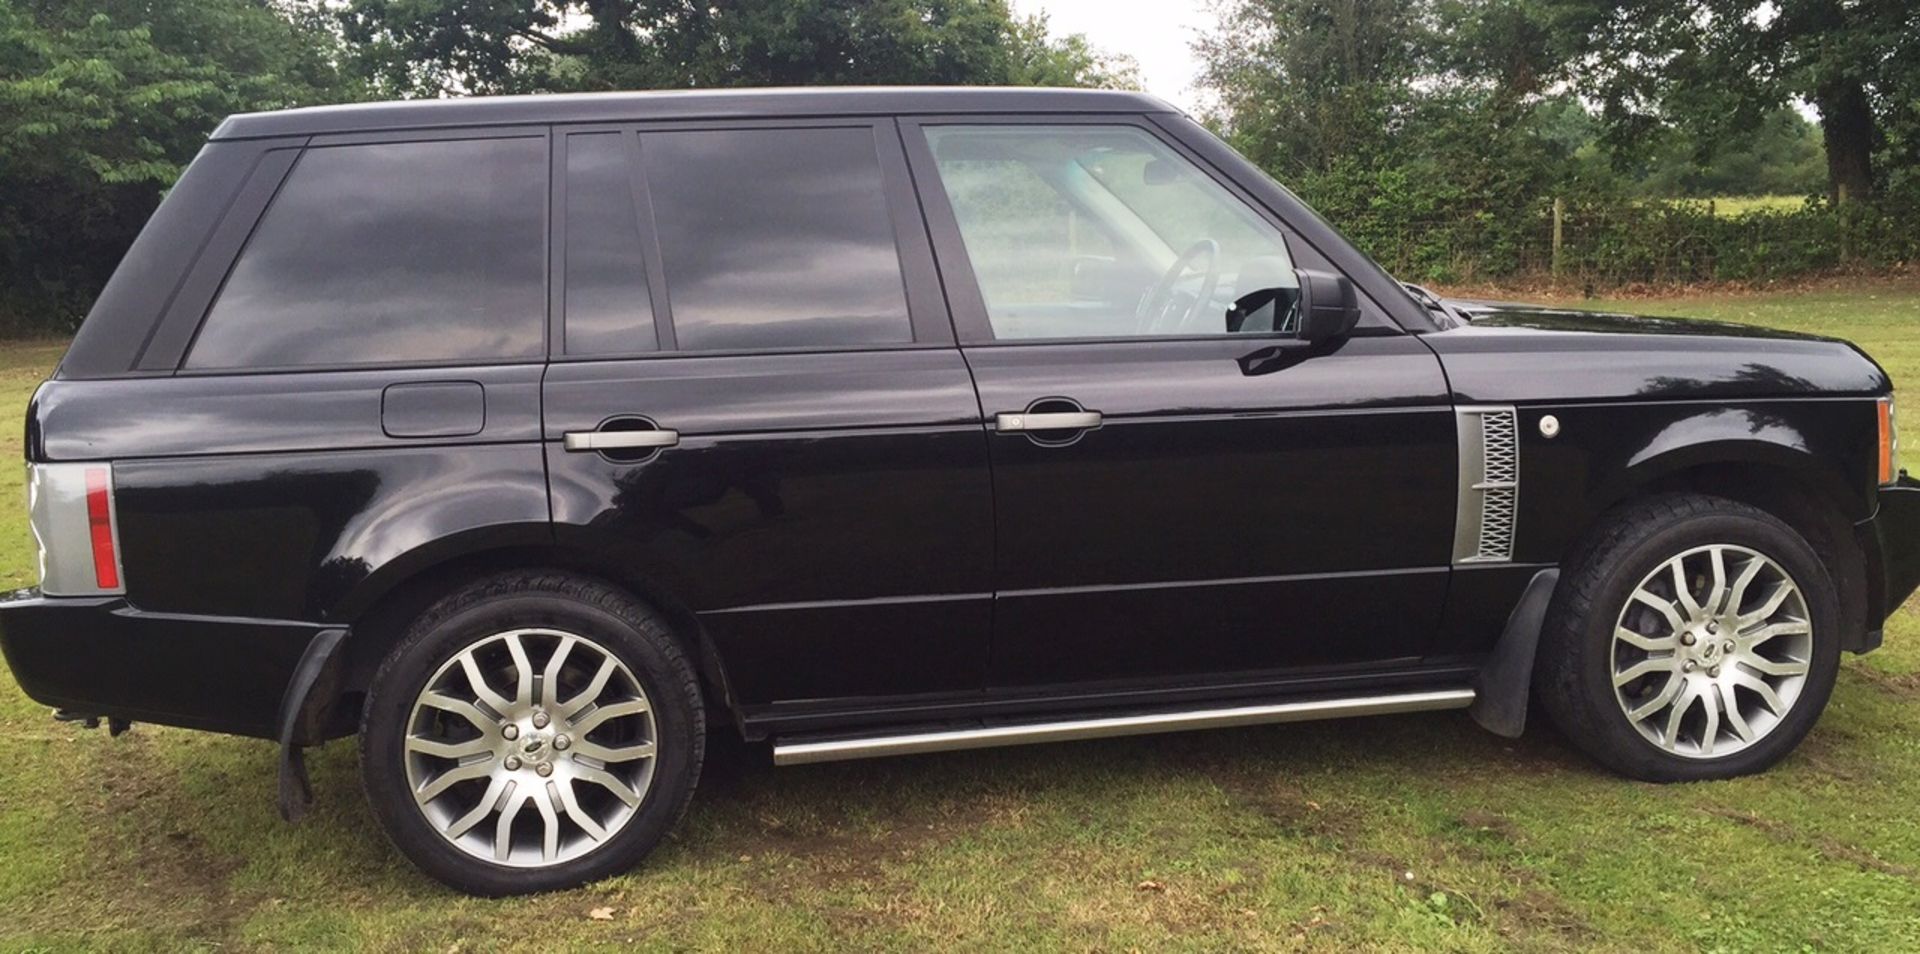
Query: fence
x: 1573, y: 243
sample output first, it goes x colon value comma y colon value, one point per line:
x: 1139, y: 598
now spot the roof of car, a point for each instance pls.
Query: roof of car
x: 680, y: 104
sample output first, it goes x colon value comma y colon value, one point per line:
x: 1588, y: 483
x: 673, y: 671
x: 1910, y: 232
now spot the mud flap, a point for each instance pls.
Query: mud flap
x: 1502, y: 685
x: 303, y: 711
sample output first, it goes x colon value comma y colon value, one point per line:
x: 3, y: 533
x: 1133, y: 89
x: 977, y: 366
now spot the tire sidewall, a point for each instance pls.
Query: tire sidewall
x: 661, y: 672
x: 1621, y: 745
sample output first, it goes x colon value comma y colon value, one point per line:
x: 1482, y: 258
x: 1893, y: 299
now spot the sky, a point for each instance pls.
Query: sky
x: 1156, y: 33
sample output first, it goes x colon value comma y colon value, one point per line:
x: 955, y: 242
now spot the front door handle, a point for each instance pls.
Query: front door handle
x: 1053, y: 421
x: 619, y: 440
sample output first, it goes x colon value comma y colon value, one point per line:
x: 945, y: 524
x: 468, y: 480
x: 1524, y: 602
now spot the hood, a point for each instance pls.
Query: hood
x: 1515, y: 354
x: 1502, y: 314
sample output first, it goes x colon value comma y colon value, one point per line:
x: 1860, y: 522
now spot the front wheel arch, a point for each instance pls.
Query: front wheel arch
x: 1575, y: 659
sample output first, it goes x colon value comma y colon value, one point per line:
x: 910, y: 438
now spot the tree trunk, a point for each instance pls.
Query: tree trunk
x: 1846, y: 124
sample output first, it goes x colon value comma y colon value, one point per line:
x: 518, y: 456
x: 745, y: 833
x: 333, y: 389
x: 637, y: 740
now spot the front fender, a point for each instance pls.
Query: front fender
x: 1604, y: 453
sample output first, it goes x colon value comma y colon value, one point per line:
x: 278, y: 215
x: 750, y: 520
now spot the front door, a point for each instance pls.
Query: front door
x: 1182, y: 490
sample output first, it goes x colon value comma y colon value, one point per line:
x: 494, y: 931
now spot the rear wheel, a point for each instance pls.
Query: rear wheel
x: 1695, y: 638
x: 531, y: 732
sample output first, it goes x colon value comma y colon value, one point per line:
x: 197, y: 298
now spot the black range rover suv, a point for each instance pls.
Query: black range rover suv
x: 532, y: 439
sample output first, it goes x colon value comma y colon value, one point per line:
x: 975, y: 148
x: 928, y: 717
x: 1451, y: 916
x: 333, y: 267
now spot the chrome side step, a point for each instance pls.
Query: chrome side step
x: 833, y: 750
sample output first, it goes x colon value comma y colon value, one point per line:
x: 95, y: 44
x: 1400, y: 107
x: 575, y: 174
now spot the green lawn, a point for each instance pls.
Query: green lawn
x: 1734, y: 206
x: 1403, y: 833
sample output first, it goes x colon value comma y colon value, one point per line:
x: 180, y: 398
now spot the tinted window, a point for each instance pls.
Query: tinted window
x: 608, y: 311
x: 423, y: 251
x: 1104, y: 231
x: 775, y: 238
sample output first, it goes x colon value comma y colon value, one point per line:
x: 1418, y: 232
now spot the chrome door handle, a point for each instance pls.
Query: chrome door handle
x: 1059, y: 421
x: 619, y: 440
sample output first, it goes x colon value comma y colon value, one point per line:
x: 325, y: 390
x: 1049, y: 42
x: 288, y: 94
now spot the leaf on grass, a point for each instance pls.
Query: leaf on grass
x: 601, y: 914
x: 1150, y: 886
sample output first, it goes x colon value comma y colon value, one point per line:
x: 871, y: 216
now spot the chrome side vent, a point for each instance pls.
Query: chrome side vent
x: 1489, y: 496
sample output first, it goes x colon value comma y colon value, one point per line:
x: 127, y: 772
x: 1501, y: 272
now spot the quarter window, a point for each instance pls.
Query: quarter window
x: 415, y: 251
x: 775, y: 238
x: 1089, y: 231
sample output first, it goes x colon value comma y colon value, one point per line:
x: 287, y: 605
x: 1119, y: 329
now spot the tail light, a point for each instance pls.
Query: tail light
x: 75, y: 527
x: 1889, y: 441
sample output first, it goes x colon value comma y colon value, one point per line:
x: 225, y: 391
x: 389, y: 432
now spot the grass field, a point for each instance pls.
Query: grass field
x: 1734, y: 206
x: 1404, y: 833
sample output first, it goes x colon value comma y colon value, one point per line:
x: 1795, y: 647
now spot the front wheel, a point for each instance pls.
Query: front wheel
x: 1693, y: 638
x: 531, y: 732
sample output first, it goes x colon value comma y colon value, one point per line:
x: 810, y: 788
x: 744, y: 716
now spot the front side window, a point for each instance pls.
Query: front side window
x: 391, y: 252
x: 1087, y: 231
x: 775, y: 238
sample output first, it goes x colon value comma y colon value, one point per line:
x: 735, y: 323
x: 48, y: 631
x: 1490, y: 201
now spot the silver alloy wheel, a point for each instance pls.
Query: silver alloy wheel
x: 1711, y: 651
x: 572, y: 739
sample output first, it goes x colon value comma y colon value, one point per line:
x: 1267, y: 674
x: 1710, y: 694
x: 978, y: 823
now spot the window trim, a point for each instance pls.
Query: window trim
x: 972, y: 321
x: 638, y: 193
x: 928, y: 320
x: 165, y: 347
x: 227, y: 262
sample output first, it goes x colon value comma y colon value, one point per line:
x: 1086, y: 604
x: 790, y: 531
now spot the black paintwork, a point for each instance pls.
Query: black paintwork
x: 223, y: 673
x: 844, y: 534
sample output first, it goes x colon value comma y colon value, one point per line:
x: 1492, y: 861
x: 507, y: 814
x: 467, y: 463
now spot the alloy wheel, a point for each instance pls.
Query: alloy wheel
x: 530, y: 747
x: 1711, y: 651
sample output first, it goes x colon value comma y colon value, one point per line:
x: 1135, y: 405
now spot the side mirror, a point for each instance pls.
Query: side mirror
x: 1328, y: 306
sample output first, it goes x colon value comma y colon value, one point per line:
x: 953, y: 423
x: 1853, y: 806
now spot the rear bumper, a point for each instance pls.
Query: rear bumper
x: 101, y: 656
x: 1891, y: 542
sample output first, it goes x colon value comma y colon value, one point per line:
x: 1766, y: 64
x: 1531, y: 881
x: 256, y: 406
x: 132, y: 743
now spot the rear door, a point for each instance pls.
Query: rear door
x: 756, y: 403
x: 1183, y: 490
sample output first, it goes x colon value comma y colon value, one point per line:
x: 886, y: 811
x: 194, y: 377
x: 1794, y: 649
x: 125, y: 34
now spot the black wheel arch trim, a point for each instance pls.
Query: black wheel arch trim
x: 305, y: 714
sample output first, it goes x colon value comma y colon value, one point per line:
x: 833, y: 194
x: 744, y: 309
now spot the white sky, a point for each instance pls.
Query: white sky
x: 1156, y: 33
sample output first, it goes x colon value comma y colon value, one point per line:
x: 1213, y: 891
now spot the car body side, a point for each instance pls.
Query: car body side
x: 257, y: 510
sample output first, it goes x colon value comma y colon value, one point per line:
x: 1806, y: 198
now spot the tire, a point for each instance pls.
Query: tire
x: 1681, y: 655
x: 551, y: 772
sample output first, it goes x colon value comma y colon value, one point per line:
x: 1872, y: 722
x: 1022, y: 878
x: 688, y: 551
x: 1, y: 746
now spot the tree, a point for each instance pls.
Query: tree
x: 102, y: 103
x: 430, y: 47
x: 1717, y: 68
x: 1781, y: 155
x: 1427, y: 129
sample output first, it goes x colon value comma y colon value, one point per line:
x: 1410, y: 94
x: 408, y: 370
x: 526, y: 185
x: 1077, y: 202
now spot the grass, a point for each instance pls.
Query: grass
x: 1403, y: 833
x: 1734, y: 206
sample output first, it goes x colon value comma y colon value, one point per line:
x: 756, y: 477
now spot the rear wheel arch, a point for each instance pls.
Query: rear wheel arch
x: 380, y: 625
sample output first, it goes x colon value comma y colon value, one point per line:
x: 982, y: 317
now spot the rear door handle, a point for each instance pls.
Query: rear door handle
x: 619, y: 440
x: 1056, y: 421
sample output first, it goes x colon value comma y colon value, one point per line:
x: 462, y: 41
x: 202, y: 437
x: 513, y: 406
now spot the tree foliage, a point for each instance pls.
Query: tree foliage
x: 1715, y: 69
x: 1397, y: 117
x: 101, y: 104
x: 1437, y: 133
x: 411, y: 47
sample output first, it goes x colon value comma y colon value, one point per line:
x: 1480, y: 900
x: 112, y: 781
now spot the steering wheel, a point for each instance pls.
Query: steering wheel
x: 1160, y: 310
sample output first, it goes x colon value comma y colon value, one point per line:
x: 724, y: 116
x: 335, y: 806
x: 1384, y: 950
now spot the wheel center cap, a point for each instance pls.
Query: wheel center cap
x: 536, y: 746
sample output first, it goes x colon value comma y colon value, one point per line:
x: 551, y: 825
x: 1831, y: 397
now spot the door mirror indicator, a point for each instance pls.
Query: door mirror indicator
x: 1328, y: 307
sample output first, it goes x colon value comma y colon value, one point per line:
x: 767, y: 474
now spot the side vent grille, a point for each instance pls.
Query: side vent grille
x: 1489, y: 484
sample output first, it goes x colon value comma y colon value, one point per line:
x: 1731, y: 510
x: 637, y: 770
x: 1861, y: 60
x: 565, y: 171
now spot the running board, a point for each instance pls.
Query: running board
x: 946, y: 740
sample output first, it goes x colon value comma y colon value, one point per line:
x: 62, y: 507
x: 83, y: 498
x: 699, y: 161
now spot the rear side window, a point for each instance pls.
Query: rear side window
x: 391, y: 252
x: 775, y: 238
